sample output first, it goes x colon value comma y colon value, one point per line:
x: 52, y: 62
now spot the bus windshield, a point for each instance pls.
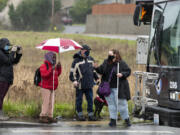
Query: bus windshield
x: 169, y: 44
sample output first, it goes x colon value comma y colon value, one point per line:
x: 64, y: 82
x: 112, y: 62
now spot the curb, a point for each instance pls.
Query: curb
x: 16, y: 124
x: 5, y: 124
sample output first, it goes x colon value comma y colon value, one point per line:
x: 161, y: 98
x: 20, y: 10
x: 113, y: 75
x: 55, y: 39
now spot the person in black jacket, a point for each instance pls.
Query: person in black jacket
x: 7, y: 60
x: 120, y: 96
x: 83, y: 75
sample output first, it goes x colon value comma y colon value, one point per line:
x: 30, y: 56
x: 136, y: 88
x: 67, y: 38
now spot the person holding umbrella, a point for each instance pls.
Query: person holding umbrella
x: 50, y: 72
x: 49, y: 83
x: 82, y: 75
x: 120, y: 92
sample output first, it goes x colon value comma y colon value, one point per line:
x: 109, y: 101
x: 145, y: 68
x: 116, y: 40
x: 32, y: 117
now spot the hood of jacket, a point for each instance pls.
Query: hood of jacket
x: 49, y: 57
x: 3, y: 42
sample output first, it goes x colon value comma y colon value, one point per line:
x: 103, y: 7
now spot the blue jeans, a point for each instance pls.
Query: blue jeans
x: 122, y: 106
x: 89, y: 97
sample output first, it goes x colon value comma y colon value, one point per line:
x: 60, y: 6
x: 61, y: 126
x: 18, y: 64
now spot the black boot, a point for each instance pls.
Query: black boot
x: 112, y: 123
x: 128, y: 123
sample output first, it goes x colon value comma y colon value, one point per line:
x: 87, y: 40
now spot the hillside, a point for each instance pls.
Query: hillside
x: 67, y: 3
x: 4, y: 18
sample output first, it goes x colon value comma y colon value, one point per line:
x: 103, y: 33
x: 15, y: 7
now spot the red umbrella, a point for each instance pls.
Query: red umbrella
x: 59, y: 45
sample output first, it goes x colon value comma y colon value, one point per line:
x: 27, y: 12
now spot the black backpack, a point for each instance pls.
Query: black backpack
x: 37, y: 76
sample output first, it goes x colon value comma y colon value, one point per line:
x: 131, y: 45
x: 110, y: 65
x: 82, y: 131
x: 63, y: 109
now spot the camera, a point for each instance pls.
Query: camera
x: 18, y: 48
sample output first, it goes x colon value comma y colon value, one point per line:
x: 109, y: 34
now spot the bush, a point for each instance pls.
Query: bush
x: 32, y: 14
x: 81, y: 9
x: 3, y: 4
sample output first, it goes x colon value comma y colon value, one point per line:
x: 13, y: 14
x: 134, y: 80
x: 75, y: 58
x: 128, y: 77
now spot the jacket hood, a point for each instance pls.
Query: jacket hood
x: 77, y: 55
x: 49, y: 57
x: 3, y: 42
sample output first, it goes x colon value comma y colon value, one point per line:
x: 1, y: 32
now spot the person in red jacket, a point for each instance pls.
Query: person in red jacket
x: 49, y: 83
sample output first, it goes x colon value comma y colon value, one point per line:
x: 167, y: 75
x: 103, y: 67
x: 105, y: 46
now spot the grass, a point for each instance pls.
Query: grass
x: 64, y: 110
x: 32, y: 109
x: 23, y: 91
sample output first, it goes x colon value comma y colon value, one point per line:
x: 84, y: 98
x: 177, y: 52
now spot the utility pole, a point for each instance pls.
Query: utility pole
x: 52, y: 11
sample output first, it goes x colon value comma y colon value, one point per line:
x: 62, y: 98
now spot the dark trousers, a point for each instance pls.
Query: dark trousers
x: 4, y: 86
x: 89, y: 97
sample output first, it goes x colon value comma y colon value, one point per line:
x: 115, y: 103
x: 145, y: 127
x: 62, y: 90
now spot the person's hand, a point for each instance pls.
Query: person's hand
x: 53, y: 67
x: 119, y: 75
x: 14, y: 49
x: 95, y: 65
x: 19, y: 51
x: 58, y: 65
x: 98, y: 81
x: 75, y: 83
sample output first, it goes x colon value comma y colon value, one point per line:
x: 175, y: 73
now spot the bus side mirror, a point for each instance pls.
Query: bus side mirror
x: 143, y: 13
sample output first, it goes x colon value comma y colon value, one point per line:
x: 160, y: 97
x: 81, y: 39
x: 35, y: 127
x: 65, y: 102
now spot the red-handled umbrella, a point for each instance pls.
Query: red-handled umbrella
x: 59, y: 45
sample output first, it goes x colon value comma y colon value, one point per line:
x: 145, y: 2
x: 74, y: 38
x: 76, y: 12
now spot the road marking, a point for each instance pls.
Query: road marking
x: 93, y: 131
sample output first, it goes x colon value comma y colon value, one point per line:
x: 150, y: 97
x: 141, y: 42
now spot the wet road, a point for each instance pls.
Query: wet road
x: 80, y: 29
x: 74, y: 29
x: 123, y: 37
x: 90, y: 128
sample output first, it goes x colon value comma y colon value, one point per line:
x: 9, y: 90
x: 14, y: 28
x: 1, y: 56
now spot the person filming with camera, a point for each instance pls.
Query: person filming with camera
x: 9, y: 56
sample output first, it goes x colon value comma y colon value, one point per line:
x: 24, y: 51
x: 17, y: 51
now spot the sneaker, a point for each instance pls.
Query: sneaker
x: 43, y: 119
x: 128, y: 123
x: 91, y: 118
x: 112, y: 123
x: 3, y: 117
x: 81, y: 118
